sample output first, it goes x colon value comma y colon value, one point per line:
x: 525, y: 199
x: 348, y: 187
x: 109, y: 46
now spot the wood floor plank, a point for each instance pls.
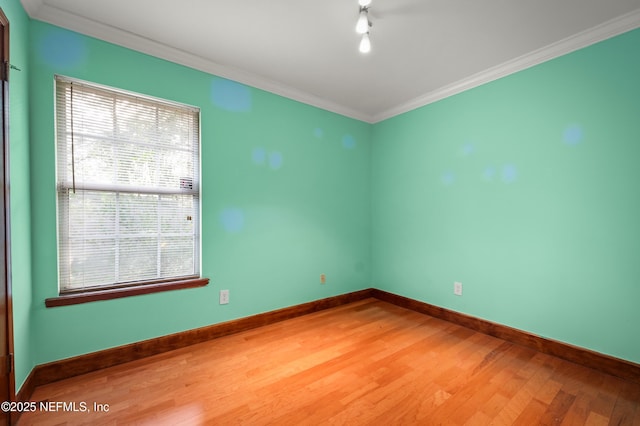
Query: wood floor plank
x: 579, y: 411
x: 365, y: 363
x: 596, y: 419
x: 532, y: 413
x: 626, y: 406
x: 557, y: 409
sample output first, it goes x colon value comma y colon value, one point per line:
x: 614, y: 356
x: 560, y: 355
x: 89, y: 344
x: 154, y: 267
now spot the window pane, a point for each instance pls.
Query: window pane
x: 177, y: 214
x: 128, y: 176
x: 92, y: 114
x: 177, y: 256
x: 138, y: 215
x: 91, y: 214
x: 94, y: 160
x: 135, y: 121
x: 175, y: 131
x: 138, y: 258
x: 92, y: 262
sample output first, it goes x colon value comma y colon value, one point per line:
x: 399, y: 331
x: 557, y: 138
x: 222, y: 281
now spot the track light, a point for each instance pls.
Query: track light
x: 363, y: 21
x: 365, y: 43
x: 363, y: 25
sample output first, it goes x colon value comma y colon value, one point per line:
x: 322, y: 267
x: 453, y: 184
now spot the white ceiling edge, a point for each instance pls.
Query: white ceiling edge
x: 43, y: 12
x: 37, y: 9
x: 32, y: 6
x: 606, y: 30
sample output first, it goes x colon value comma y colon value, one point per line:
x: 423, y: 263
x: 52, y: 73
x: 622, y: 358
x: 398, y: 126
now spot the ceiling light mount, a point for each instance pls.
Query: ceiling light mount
x: 363, y: 26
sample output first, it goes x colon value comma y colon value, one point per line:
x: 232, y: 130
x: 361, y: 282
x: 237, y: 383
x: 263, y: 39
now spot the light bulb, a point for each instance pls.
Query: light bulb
x: 365, y: 43
x: 364, y: 3
x: 363, y: 22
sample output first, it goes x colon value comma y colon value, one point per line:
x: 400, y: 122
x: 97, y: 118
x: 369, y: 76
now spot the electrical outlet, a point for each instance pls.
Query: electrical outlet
x: 224, y: 297
x: 457, y: 288
x: 323, y: 279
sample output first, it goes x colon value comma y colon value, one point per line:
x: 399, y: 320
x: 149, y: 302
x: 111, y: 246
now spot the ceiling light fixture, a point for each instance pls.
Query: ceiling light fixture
x: 363, y: 25
x: 365, y: 43
x: 363, y: 22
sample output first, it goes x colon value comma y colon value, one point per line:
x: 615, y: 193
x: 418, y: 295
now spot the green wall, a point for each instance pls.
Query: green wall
x: 526, y: 191
x: 285, y: 198
x: 20, y: 204
x: 523, y: 189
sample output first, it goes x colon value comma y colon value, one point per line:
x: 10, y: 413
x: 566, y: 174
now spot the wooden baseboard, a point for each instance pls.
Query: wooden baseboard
x: 26, y: 390
x: 604, y: 363
x: 69, y: 367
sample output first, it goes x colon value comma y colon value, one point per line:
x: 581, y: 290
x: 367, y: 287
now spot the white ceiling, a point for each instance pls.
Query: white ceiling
x: 422, y: 50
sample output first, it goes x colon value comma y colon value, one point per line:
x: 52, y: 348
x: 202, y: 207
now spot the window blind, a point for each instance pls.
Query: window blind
x: 128, y: 187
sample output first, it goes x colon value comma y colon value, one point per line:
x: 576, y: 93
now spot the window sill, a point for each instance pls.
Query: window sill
x: 116, y: 293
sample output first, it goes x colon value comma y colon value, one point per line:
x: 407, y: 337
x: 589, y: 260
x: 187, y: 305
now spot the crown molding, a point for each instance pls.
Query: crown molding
x: 37, y: 9
x: 32, y: 7
x: 570, y: 44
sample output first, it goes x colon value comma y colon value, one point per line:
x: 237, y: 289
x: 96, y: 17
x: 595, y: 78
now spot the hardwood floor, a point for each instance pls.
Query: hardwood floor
x: 368, y: 362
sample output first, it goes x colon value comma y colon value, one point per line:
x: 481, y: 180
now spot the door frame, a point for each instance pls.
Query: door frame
x: 4, y: 76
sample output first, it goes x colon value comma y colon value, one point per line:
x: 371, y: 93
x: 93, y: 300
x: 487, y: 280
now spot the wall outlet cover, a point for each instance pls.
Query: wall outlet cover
x: 457, y: 288
x: 224, y: 297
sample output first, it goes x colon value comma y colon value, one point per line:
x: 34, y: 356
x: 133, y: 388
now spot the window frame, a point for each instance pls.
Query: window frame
x: 129, y: 288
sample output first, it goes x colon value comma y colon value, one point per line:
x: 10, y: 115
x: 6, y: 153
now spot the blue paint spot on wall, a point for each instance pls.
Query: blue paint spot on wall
x: 489, y: 173
x: 509, y: 173
x: 468, y: 149
x: 230, y: 95
x: 275, y: 160
x: 573, y: 134
x: 318, y: 133
x: 259, y: 155
x: 448, y: 178
x: 232, y: 219
x: 348, y: 142
x: 63, y: 49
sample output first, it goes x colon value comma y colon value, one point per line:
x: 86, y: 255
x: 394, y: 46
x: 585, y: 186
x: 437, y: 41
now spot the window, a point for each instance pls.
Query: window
x: 128, y: 188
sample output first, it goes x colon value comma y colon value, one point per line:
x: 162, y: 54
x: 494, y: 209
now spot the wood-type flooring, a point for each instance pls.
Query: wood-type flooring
x: 364, y: 363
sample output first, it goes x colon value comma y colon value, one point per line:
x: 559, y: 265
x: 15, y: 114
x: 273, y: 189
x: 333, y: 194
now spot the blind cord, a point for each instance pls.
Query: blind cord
x: 73, y: 159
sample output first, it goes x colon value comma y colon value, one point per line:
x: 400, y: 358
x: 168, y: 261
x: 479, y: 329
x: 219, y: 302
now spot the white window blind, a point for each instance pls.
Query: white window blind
x: 128, y: 188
